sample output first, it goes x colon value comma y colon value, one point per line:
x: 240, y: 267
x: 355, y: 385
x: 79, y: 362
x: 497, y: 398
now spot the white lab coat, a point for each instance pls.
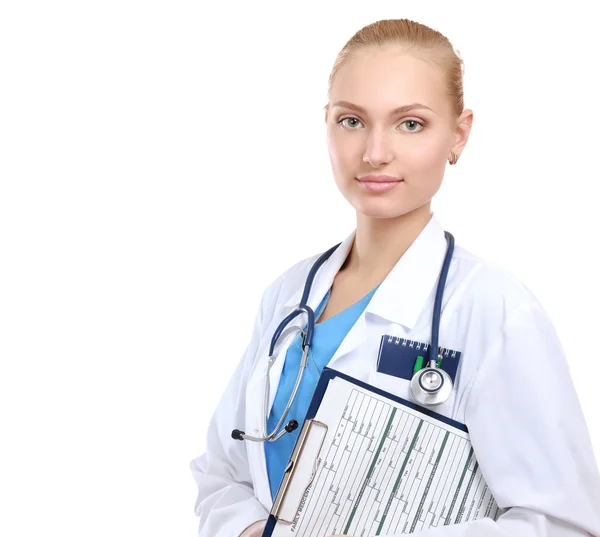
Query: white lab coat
x: 513, y: 391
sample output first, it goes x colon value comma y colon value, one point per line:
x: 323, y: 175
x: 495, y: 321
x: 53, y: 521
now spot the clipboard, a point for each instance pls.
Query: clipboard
x: 308, y: 446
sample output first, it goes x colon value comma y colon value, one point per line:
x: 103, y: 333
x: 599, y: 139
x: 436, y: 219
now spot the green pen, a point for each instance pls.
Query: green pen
x: 418, y: 364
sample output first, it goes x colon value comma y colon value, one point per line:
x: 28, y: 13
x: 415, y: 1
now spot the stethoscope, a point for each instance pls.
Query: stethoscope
x: 430, y: 386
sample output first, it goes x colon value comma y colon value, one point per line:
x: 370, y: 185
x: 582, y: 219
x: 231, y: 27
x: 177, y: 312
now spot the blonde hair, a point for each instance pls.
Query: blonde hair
x: 419, y: 40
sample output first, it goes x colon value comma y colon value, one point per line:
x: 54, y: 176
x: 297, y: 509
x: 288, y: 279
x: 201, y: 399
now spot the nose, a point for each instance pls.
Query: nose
x: 378, y: 150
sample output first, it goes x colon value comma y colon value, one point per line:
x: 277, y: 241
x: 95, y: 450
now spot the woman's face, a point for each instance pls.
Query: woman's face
x: 365, y: 136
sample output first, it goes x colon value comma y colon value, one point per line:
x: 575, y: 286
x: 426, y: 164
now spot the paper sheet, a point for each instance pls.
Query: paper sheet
x: 384, y: 468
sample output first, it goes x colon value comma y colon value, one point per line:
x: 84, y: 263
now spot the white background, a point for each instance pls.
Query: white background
x: 162, y: 162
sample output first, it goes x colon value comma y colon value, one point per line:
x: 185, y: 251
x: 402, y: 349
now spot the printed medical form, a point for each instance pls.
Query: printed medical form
x: 380, y: 467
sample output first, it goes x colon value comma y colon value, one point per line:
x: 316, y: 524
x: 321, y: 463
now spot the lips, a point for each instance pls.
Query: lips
x: 379, y: 179
x: 379, y: 183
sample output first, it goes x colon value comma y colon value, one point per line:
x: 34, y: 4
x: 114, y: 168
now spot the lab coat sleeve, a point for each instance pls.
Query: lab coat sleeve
x: 530, y: 438
x: 226, y: 504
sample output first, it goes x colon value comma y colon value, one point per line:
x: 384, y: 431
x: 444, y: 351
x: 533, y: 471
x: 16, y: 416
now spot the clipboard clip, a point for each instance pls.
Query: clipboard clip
x: 307, y: 448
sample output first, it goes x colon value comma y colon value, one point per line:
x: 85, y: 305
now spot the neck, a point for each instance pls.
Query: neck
x: 380, y: 242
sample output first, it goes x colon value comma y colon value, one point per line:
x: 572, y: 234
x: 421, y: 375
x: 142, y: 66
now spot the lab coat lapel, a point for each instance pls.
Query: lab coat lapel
x: 321, y: 284
x: 403, y: 294
x: 413, y: 280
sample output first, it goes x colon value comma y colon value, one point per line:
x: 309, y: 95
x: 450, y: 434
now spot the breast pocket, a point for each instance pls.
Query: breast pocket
x: 389, y: 383
x: 401, y: 388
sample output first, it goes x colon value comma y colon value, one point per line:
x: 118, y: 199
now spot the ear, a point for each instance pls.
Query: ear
x: 462, y: 131
x: 326, y: 109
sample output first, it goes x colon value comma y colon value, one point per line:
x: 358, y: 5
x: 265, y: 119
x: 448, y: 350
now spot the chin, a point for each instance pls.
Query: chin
x: 381, y: 208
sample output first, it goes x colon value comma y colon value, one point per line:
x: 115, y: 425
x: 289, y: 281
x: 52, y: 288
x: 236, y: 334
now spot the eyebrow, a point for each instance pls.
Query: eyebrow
x: 399, y: 110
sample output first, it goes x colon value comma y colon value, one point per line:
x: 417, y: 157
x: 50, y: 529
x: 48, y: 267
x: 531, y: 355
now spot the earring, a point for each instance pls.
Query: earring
x: 453, y: 158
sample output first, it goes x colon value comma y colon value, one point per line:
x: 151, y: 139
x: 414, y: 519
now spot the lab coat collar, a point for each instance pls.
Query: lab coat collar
x: 404, y: 292
x: 324, y: 277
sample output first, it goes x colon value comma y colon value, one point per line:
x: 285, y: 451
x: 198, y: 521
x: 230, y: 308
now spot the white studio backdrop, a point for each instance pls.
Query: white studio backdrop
x: 162, y: 162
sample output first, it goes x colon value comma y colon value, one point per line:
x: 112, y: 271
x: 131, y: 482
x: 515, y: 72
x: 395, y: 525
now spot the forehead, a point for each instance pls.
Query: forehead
x: 381, y: 79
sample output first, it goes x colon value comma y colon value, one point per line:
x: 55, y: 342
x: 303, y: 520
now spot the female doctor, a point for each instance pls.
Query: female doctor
x: 395, y: 116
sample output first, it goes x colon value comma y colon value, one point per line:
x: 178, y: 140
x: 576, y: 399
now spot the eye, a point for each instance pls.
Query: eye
x: 413, y: 125
x: 348, y: 117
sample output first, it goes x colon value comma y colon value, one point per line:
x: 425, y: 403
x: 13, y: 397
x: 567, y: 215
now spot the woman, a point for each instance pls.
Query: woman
x: 512, y: 389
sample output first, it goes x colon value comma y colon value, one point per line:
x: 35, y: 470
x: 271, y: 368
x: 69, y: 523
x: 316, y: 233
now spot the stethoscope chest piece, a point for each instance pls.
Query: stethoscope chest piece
x: 431, y: 386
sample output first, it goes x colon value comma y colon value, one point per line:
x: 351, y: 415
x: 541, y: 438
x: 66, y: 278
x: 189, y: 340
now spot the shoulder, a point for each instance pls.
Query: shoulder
x: 487, y: 285
x: 489, y: 305
x: 287, y: 283
x: 495, y: 319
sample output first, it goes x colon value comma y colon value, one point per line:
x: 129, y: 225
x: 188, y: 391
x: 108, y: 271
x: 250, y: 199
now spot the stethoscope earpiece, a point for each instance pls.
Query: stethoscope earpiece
x: 236, y: 434
x: 291, y: 426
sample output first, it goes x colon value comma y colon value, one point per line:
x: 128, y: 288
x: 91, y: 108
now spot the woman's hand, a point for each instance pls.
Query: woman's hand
x: 254, y: 530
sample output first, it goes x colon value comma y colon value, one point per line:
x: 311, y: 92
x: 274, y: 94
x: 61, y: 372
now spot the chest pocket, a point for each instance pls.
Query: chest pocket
x: 398, y: 356
x: 394, y: 385
x: 401, y: 388
x: 396, y: 365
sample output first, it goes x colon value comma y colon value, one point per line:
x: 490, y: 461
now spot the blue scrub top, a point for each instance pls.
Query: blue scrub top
x: 327, y: 337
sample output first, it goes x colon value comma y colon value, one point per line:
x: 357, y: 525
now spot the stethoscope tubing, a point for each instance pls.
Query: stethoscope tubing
x: 307, y: 337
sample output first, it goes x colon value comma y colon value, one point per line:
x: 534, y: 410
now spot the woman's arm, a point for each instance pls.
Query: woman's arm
x: 530, y: 437
x: 226, y: 504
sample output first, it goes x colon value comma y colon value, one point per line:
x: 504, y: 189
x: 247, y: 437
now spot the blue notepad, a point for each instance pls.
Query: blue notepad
x: 397, y: 357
